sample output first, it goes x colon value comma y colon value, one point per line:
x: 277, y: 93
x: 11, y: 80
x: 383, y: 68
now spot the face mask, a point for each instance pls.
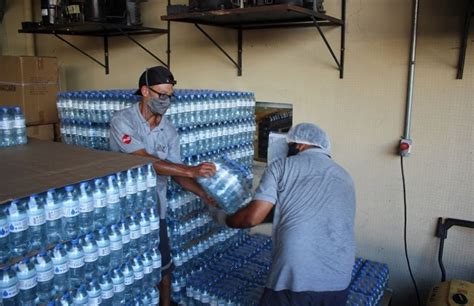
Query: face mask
x: 292, y: 150
x: 158, y: 106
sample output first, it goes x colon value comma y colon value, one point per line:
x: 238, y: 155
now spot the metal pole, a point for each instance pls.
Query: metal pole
x: 343, y: 39
x: 464, y: 41
x: 411, y: 70
x: 239, y: 52
x: 106, y: 53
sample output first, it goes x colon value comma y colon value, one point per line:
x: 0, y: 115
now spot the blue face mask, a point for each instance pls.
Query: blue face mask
x: 159, y: 106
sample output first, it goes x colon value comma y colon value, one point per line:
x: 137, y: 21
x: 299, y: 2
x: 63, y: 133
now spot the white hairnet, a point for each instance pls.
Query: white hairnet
x: 311, y: 134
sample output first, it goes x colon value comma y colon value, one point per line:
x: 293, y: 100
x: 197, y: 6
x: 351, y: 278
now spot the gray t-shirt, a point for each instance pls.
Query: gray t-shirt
x: 313, y: 225
x: 129, y: 132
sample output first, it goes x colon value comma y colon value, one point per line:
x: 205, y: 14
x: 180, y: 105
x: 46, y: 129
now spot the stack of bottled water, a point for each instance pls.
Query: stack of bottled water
x: 369, y: 281
x: 12, y: 127
x: 102, y: 236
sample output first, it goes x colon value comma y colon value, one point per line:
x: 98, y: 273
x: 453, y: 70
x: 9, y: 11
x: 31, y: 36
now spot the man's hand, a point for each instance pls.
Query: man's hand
x: 204, y: 169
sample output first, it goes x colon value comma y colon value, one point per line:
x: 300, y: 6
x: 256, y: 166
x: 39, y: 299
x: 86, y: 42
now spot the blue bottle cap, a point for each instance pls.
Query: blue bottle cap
x: 69, y: 188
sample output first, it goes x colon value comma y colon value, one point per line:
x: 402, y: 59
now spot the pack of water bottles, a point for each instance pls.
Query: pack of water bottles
x: 88, y: 242
x: 12, y: 127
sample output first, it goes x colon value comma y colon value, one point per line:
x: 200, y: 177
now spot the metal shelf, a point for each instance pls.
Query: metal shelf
x: 93, y: 29
x: 265, y: 17
x: 465, y: 38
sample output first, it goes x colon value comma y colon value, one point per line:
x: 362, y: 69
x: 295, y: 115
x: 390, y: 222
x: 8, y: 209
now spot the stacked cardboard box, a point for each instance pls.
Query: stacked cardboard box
x: 31, y: 82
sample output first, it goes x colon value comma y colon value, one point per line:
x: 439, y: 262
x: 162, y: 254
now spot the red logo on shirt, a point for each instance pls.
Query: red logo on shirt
x: 126, y: 139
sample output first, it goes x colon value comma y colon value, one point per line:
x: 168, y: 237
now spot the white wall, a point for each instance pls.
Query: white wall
x: 363, y: 113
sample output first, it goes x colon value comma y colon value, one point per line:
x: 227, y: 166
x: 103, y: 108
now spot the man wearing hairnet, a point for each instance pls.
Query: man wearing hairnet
x: 313, y: 226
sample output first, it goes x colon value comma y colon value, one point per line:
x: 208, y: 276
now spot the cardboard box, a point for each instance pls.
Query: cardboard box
x: 28, y: 70
x: 31, y: 83
x: 41, y: 165
x: 37, y: 101
x: 43, y: 132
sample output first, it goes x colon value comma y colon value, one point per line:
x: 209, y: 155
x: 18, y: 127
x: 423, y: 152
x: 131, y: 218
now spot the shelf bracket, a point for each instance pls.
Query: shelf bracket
x: 238, y: 63
x: 340, y: 65
x: 464, y: 40
x: 142, y: 46
x: 106, y: 52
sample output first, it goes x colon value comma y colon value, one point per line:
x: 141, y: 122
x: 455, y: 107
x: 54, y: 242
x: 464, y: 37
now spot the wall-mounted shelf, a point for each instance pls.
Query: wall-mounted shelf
x: 104, y: 30
x: 265, y: 17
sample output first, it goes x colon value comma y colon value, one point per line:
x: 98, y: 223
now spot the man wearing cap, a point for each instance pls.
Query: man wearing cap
x: 144, y: 130
x: 313, y: 227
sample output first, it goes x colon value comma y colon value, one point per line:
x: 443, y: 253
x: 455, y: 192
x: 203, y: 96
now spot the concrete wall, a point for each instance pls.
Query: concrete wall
x: 363, y: 113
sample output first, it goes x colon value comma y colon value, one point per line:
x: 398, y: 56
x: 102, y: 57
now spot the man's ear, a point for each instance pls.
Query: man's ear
x: 144, y: 90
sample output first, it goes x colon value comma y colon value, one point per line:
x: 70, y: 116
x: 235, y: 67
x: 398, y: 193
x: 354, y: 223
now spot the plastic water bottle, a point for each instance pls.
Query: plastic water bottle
x: 80, y: 297
x: 116, y: 246
x: 154, y: 239
x: 137, y: 266
x: 129, y: 279
x: 18, y: 225
x: 125, y: 233
x: 100, y: 203
x: 141, y: 189
x: 70, y: 213
x: 86, y: 208
x: 54, y: 213
x: 107, y: 289
x: 135, y: 234
x: 155, y: 296
x: 94, y: 293
x: 151, y: 192
x: 131, y: 188
x: 9, y: 286
x: 121, y: 177
x: 156, y: 257
x: 76, y: 263
x: 91, y: 255
x: 66, y: 299
x: 26, y: 274
x: 45, y: 274
x: 4, y: 231
x: 113, y: 200
x: 119, y: 286
x: 6, y: 125
x: 147, y: 270
x: 19, y: 127
x: 103, y: 263
x: 37, y: 222
x: 59, y: 258
x: 144, y: 231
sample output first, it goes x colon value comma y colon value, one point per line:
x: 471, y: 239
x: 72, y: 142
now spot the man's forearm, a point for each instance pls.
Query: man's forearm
x: 166, y: 168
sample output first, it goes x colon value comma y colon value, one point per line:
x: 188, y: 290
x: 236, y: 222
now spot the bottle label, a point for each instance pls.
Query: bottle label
x: 113, y: 198
x: 54, y: 213
x: 148, y: 269
x: 70, y: 212
x: 10, y: 292
x: 104, y: 251
x: 154, y: 225
x: 37, y: 220
x: 107, y: 294
x: 141, y: 185
x: 125, y: 238
x: 151, y: 182
x: 131, y: 188
x: 86, y: 205
x: 91, y: 257
x: 95, y: 301
x: 6, y: 124
x: 145, y: 229
x: 155, y: 301
x: 61, y: 268
x: 135, y: 234
x: 45, y: 276
x: 129, y: 280
x: 156, y: 263
x: 119, y: 288
x: 116, y: 245
x: 122, y: 192
x: 25, y: 284
x: 76, y: 263
x: 100, y: 202
x: 138, y: 274
x: 19, y: 225
x: 19, y: 123
x: 4, y: 231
